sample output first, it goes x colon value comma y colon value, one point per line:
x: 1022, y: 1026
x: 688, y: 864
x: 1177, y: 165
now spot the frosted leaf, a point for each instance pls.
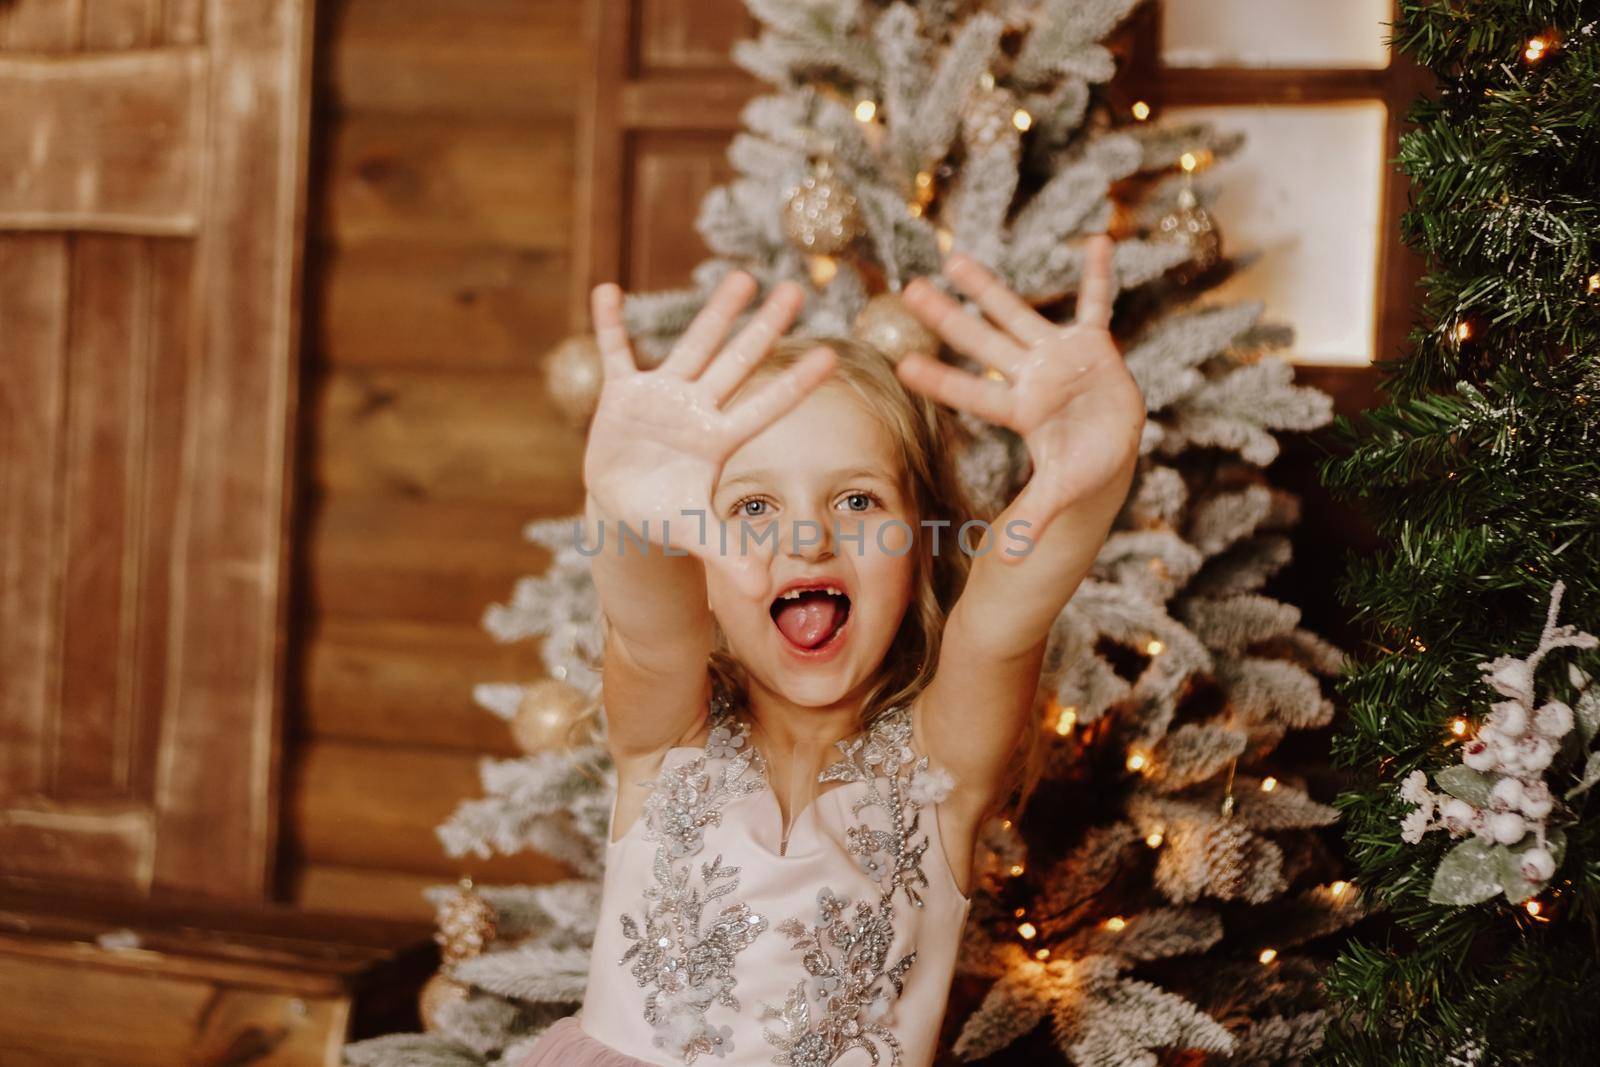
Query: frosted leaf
x: 1468, y: 874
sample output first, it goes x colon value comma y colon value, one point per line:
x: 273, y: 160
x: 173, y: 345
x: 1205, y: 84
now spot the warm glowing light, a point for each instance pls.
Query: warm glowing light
x: 1019, y: 912
x: 1594, y: 283
x: 1458, y: 726
x: 1016, y: 869
x: 1188, y: 161
x: 1268, y: 955
x: 1154, y: 648
x: 1154, y: 840
x: 1138, y: 761
x: 924, y: 179
x: 914, y: 210
x: 1338, y: 888
x: 1534, y: 907
x: 1021, y: 120
x: 1268, y: 784
x: 1463, y: 330
x: 1141, y: 110
x: 865, y: 109
x: 1536, y: 49
x: 1042, y: 954
x: 822, y: 270
x: 1006, y: 823
x: 1116, y: 922
x: 1028, y: 931
x: 945, y: 238
x: 1067, y: 719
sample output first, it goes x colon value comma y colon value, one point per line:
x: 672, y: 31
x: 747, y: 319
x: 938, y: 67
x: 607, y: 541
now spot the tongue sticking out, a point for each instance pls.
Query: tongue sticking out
x: 810, y: 619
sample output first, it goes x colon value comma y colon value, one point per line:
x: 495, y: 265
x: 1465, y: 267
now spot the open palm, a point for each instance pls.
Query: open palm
x: 659, y: 438
x: 1066, y: 392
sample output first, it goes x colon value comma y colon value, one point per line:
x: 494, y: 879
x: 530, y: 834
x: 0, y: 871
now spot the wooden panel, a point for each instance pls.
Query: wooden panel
x: 449, y: 182
x: 119, y: 24
x: 219, y: 751
x: 364, y: 891
x: 448, y: 437
x: 33, y: 335
x: 420, y: 560
x: 404, y: 683
x: 478, y: 308
x: 670, y: 176
x: 690, y: 35
x: 110, y: 142
x: 108, y: 845
x: 478, y: 57
x: 40, y: 25
x: 377, y: 806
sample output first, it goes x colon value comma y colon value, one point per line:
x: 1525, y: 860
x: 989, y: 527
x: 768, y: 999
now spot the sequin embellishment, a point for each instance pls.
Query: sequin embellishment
x: 690, y: 966
x: 844, y: 1001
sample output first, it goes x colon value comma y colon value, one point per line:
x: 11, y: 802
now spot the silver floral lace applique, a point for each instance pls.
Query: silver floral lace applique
x: 689, y: 966
x: 844, y: 1001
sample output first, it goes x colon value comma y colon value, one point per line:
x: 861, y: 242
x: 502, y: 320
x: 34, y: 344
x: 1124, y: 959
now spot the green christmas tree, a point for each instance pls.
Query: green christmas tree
x: 1469, y: 725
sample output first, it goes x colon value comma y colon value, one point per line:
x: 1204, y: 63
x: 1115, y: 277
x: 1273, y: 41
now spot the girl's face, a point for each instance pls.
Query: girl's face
x: 828, y: 468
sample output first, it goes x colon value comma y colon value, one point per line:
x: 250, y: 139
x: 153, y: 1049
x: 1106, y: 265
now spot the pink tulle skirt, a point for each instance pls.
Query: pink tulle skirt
x: 566, y: 1044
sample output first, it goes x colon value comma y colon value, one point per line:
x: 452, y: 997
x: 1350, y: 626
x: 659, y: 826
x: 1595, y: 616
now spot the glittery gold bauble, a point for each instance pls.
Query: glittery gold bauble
x: 437, y: 992
x: 1191, y: 226
x: 989, y: 119
x: 546, y: 714
x: 889, y: 326
x: 572, y: 377
x: 467, y: 923
x: 821, y: 214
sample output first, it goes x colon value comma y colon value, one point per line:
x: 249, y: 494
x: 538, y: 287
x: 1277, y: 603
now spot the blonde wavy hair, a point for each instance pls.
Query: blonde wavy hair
x: 930, y: 438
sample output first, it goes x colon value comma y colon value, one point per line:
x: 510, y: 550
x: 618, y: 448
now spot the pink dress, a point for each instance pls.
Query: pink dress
x: 717, y: 943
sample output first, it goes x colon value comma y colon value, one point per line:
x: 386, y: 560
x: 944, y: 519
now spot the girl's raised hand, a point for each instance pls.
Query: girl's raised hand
x: 659, y: 438
x: 1067, y: 391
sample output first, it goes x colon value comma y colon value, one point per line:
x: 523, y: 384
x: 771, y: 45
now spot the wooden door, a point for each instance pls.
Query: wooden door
x: 152, y: 157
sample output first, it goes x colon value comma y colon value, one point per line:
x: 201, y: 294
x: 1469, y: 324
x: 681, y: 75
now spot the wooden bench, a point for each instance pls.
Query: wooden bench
x: 177, y: 981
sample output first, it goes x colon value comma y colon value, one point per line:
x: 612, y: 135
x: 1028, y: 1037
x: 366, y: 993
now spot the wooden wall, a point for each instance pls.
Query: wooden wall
x: 439, y: 249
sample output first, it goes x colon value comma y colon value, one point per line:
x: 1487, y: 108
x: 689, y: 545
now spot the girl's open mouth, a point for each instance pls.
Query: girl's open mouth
x: 811, y: 619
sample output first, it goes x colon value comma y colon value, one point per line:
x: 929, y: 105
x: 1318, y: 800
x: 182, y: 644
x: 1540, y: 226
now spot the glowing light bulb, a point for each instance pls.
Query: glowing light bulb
x: 1268, y: 784
x: 1016, y: 869
x: 1116, y: 922
x: 1338, y: 888
x: 1028, y: 931
x: 1154, y: 648
x: 1041, y: 954
x: 1534, y: 907
x: 1154, y: 840
x: 1188, y: 161
x: 1594, y: 283
x: 1138, y: 761
x: 1067, y: 719
x: 1021, y: 120
x: 1536, y: 49
x: 1020, y: 912
x: 1006, y: 823
x: 1268, y: 955
x: 1141, y: 110
x: 865, y: 110
x: 1463, y: 330
x: 914, y: 210
x: 822, y: 270
x: 1458, y: 727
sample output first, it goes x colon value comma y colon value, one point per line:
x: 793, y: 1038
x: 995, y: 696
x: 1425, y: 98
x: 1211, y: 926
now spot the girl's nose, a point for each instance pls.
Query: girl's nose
x: 808, y: 537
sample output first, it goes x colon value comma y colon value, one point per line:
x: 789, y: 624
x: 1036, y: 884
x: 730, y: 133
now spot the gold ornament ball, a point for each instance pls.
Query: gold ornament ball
x: 889, y: 326
x: 546, y: 714
x: 572, y: 377
x: 821, y: 214
x: 437, y: 992
x: 467, y: 924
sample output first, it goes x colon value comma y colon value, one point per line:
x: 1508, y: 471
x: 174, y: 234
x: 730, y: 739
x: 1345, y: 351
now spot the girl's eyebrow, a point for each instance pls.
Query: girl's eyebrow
x: 764, y: 474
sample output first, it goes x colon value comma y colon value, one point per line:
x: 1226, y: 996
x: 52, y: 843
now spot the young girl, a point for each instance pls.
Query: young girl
x: 789, y: 603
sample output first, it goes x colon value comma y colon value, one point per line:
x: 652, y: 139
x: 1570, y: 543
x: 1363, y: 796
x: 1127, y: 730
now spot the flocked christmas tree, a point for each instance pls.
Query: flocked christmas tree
x: 1470, y: 726
x: 1165, y: 885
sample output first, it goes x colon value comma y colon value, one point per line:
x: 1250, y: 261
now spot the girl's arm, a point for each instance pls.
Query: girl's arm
x: 1069, y: 395
x: 656, y: 447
